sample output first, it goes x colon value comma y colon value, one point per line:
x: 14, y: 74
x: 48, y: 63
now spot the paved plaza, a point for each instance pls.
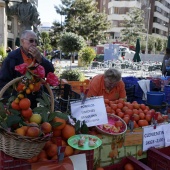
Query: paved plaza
x: 92, y: 71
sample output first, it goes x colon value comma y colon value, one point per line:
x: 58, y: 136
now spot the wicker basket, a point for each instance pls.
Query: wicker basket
x: 22, y: 146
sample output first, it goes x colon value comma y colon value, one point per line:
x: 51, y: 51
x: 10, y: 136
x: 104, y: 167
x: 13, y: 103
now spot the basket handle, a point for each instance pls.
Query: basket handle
x: 19, y: 79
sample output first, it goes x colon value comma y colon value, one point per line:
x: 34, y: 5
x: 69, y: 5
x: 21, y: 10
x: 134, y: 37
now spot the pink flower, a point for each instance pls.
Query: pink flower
x: 52, y: 79
x: 22, y: 68
x: 40, y: 71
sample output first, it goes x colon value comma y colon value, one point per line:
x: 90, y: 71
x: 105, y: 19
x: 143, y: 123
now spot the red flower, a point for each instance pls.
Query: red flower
x: 52, y: 79
x: 22, y: 68
x: 40, y: 71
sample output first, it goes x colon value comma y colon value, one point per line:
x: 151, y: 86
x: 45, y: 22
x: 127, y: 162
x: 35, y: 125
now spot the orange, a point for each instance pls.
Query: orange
x: 52, y: 150
x: 68, y: 151
x: 20, y: 96
x: 26, y: 113
x: 28, y: 91
x: 119, y: 123
x: 15, y: 106
x: 47, y: 144
x: 42, y: 154
x: 46, y: 127
x: 68, y: 131
x: 20, y: 87
x: 33, y: 159
x: 24, y: 103
x: 99, y: 168
x: 33, y: 132
x: 31, y: 87
x: 56, y: 132
x: 106, y: 101
x: 54, y: 157
x: 129, y: 166
x: 22, y: 130
x: 17, y: 100
x: 37, y: 86
x: 57, y: 119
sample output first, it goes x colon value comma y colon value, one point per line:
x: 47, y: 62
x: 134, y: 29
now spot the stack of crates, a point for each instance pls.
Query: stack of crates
x: 159, y: 159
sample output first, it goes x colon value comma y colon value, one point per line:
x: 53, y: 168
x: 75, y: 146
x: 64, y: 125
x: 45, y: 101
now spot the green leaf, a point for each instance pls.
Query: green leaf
x: 11, y: 99
x: 2, y: 106
x: 51, y: 116
x: 46, y: 99
x: 84, y: 128
x: 62, y: 115
x: 13, y: 119
x: 41, y: 101
x: 4, y: 125
x: 15, y: 112
x: 55, y: 124
x: 40, y: 110
x: 77, y: 126
x: 44, y: 116
x: 28, y: 75
x: 57, y: 114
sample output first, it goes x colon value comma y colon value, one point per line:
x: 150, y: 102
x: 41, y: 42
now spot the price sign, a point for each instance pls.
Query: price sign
x: 166, y: 129
x: 92, y: 111
x: 153, y: 137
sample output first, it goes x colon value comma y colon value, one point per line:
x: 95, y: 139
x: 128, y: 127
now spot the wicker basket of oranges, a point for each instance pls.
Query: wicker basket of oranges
x: 17, y: 143
x: 25, y: 130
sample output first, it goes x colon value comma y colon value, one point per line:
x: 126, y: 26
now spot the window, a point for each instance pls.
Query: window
x: 116, y: 10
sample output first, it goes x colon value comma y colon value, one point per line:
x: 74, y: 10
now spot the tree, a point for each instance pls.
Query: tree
x: 55, y: 34
x: 82, y: 17
x: 45, y: 42
x: 133, y: 26
x: 87, y: 55
x: 159, y: 44
x: 71, y: 42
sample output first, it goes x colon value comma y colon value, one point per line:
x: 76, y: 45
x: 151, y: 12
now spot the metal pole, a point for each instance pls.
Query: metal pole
x: 146, y: 50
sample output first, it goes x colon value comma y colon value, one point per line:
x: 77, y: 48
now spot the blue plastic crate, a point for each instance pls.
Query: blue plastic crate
x: 130, y: 81
x: 167, y: 93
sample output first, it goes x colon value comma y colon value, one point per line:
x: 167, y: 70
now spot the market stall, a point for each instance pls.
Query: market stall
x: 118, y: 136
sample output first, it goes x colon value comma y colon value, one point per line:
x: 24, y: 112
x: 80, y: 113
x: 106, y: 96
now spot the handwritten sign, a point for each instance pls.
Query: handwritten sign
x: 166, y: 129
x: 93, y: 111
x: 153, y: 137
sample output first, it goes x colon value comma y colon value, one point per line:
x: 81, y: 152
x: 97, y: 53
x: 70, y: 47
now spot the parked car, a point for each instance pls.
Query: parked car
x: 56, y: 54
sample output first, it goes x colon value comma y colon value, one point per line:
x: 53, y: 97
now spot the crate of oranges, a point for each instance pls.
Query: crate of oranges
x: 128, y: 163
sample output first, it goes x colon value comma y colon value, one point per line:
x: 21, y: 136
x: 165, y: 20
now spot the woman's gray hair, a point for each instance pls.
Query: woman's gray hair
x: 113, y: 74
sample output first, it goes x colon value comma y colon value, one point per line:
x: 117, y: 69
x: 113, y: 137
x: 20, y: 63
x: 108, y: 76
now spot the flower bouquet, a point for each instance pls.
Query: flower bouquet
x: 25, y: 130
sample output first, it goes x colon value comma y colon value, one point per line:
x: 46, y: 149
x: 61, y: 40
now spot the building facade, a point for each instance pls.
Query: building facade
x: 156, y: 15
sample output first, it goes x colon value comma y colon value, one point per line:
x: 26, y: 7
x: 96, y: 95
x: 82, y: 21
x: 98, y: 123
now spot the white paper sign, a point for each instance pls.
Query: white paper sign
x: 166, y: 129
x: 93, y: 111
x: 153, y: 137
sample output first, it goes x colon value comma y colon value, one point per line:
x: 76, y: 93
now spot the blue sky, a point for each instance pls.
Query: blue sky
x: 47, y: 11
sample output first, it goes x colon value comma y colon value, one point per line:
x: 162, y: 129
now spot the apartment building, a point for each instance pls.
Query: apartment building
x: 156, y: 15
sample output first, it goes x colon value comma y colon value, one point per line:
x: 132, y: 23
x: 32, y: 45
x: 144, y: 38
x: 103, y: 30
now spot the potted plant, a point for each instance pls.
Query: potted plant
x: 72, y: 75
x: 87, y: 55
x: 3, y: 54
x: 75, y: 78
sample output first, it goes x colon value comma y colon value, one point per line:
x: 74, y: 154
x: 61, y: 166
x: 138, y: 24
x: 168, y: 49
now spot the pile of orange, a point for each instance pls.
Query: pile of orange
x: 49, y: 151
x: 141, y: 114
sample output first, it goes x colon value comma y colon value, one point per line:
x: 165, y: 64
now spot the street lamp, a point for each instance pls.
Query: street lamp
x: 146, y: 50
